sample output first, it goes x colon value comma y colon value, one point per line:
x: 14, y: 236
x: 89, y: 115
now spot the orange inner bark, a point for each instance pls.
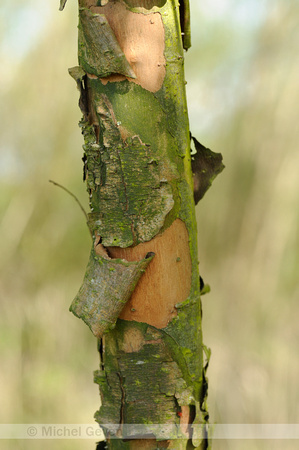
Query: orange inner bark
x: 166, y: 281
x: 141, y: 38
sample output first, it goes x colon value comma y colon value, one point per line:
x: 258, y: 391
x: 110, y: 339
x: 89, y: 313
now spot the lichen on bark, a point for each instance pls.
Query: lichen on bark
x: 99, y: 51
x: 107, y: 286
x: 137, y: 167
x: 148, y: 371
x: 130, y: 195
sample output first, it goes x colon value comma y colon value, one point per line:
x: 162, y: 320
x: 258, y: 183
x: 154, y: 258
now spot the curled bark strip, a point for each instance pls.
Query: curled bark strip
x: 107, y: 286
x: 185, y: 23
x: 99, y: 51
x: 79, y: 75
x: 141, y: 36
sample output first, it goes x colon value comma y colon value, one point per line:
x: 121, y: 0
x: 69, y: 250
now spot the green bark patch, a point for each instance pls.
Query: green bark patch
x: 130, y: 195
x: 107, y: 286
x: 145, y: 371
x: 99, y: 51
x: 137, y: 167
x: 171, y: 96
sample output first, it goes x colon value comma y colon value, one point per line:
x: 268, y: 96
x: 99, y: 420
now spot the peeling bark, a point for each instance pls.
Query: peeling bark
x: 99, y: 51
x: 142, y: 41
x: 141, y: 291
x: 107, y: 286
x: 159, y: 290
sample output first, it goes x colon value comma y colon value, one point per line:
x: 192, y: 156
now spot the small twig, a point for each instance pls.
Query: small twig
x: 73, y: 195
x: 61, y: 7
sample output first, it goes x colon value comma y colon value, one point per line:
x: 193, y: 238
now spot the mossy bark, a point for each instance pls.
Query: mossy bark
x: 137, y: 166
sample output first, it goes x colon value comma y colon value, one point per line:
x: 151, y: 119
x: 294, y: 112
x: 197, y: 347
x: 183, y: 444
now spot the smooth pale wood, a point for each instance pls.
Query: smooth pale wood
x: 185, y: 420
x: 141, y: 38
x: 167, y: 279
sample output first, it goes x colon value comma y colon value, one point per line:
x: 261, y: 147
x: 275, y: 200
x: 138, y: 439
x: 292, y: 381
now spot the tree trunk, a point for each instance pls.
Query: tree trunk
x: 141, y: 291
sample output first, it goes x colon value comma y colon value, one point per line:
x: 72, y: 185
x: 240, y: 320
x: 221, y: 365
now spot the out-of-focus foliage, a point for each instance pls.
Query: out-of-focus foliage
x: 249, y: 231
x: 47, y: 357
x: 242, y: 76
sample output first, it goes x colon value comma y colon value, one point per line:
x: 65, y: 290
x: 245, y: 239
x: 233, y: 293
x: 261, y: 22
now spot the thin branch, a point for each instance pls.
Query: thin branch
x: 73, y: 195
x: 61, y: 8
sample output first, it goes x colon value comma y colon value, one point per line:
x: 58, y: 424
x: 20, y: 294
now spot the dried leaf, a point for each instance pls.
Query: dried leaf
x: 206, y: 165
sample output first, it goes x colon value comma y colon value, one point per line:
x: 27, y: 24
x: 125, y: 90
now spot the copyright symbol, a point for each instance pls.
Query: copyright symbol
x: 32, y: 431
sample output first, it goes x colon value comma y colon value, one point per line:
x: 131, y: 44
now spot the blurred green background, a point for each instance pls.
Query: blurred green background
x: 242, y: 73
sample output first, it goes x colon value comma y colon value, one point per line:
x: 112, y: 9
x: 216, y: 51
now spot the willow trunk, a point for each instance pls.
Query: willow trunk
x: 141, y: 291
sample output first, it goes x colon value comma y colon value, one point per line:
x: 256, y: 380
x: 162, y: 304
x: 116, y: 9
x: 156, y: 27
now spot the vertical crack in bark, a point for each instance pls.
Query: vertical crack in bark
x: 79, y: 75
x: 126, y: 196
x: 122, y: 405
x: 101, y: 353
x: 123, y: 180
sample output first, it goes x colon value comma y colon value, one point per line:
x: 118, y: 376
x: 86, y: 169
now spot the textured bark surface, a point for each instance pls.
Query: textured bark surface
x: 92, y: 305
x: 141, y: 291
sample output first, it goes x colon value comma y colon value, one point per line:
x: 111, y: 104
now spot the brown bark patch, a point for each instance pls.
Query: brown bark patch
x: 133, y: 341
x: 185, y: 420
x: 167, y: 280
x: 142, y: 39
